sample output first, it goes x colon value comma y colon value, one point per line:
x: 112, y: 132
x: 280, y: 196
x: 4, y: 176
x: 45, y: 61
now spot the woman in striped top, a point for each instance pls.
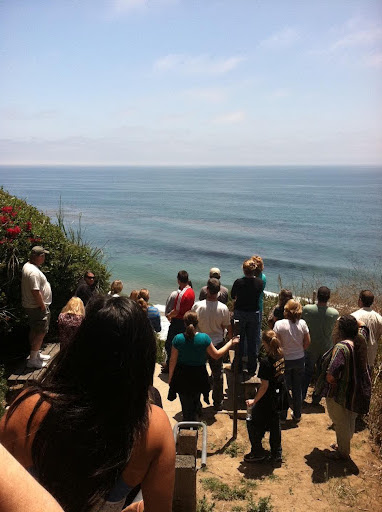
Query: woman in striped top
x: 349, y: 390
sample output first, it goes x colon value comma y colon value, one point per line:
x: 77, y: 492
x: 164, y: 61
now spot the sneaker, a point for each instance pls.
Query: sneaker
x: 43, y: 357
x: 252, y: 457
x: 295, y: 419
x: 276, y: 458
x: 36, y: 364
x: 218, y: 407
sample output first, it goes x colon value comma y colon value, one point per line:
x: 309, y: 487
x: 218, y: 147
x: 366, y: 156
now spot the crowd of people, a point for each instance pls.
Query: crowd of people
x: 93, y: 451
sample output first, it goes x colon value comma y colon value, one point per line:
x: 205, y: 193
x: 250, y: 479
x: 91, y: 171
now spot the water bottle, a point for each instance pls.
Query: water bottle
x: 249, y: 413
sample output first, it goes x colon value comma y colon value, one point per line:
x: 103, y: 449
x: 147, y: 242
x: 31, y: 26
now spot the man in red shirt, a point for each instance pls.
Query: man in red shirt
x: 184, y: 301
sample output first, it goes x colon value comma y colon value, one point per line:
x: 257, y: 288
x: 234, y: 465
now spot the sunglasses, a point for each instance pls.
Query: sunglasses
x: 90, y: 277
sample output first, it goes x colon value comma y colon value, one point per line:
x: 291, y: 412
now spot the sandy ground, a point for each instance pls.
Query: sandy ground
x: 305, y: 481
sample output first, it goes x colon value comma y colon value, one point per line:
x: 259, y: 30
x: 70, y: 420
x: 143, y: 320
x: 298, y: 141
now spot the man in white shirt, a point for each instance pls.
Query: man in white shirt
x: 214, y: 318
x: 373, y: 322
x: 36, y: 298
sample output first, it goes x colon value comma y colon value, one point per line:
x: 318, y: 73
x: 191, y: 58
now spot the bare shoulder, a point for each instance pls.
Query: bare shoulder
x: 13, y: 427
x: 156, y: 444
x: 159, y: 427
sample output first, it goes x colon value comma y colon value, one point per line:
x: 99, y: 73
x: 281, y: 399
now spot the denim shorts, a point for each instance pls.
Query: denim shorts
x: 38, y: 320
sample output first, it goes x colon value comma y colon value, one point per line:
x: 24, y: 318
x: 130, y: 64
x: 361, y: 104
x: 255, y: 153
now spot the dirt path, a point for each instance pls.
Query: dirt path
x: 306, y: 481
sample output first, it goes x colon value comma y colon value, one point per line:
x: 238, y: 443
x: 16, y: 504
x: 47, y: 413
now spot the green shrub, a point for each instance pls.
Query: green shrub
x: 204, y: 506
x: 21, y: 227
x: 222, y: 491
x: 263, y: 505
x: 161, y: 357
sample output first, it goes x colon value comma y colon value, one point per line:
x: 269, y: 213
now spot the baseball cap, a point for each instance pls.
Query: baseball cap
x: 215, y: 272
x: 37, y: 249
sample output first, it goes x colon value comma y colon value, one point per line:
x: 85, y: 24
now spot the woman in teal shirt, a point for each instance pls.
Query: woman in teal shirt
x: 187, y: 372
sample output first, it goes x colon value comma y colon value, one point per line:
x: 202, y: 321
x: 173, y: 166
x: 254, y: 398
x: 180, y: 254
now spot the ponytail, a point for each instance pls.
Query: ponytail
x: 191, y: 320
x: 190, y: 332
x: 143, y: 304
x: 273, y: 344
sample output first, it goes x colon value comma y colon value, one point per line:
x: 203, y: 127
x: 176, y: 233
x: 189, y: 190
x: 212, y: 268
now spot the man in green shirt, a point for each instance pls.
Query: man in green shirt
x: 320, y: 319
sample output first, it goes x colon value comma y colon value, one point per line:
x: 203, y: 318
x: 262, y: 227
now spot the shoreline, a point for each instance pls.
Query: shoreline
x: 165, y: 323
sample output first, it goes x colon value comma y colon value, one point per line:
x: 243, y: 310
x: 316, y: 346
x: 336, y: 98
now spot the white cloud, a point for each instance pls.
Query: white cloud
x: 365, y: 37
x: 209, y: 94
x: 205, y: 64
x: 282, y: 39
x: 231, y: 118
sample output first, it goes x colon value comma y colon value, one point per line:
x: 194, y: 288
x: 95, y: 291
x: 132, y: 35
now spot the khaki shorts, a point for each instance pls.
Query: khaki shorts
x: 38, y: 320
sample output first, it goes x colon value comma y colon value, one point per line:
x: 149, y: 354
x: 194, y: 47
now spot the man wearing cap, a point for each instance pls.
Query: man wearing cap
x: 214, y: 318
x: 36, y: 298
x: 223, y: 293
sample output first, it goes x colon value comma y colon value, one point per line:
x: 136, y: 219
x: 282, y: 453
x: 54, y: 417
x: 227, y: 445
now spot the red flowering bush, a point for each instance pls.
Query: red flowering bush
x: 10, y: 229
x: 21, y: 227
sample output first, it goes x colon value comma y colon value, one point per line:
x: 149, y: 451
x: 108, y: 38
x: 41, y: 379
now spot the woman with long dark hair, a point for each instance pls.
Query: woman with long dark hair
x: 86, y: 430
x: 187, y: 370
x: 349, y: 386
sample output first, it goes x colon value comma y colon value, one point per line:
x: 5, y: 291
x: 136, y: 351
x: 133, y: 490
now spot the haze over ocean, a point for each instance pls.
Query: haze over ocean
x: 307, y: 222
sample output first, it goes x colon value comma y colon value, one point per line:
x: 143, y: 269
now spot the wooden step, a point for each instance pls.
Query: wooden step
x: 21, y: 374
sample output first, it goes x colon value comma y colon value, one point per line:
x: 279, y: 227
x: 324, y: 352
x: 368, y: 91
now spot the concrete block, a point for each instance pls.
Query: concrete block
x: 187, y: 442
x: 185, y: 484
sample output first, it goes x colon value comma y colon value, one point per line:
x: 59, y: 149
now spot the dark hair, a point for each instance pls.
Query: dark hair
x: 88, y: 272
x: 86, y: 437
x: 347, y: 328
x: 367, y: 298
x: 284, y: 296
x: 191, y: 320
x: 323, y: 294
x: 213, y: 286
x: 183, y: 276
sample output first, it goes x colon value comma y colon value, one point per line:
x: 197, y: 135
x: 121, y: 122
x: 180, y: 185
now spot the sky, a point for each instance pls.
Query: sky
x: 191, y: 82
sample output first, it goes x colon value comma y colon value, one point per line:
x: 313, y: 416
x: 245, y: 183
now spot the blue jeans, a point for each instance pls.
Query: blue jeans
x: 176, y: 327
x: 250, y: 329
x: 294, y: 376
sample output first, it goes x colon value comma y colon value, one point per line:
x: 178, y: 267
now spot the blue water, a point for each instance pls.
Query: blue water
x: 308, y: 223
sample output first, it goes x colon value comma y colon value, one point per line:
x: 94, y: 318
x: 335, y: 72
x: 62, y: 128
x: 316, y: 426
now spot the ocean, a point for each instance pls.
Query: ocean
x: 312, y: 224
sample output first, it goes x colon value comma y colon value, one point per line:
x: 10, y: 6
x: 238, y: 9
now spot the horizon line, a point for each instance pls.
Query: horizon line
x: 190, y: 165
